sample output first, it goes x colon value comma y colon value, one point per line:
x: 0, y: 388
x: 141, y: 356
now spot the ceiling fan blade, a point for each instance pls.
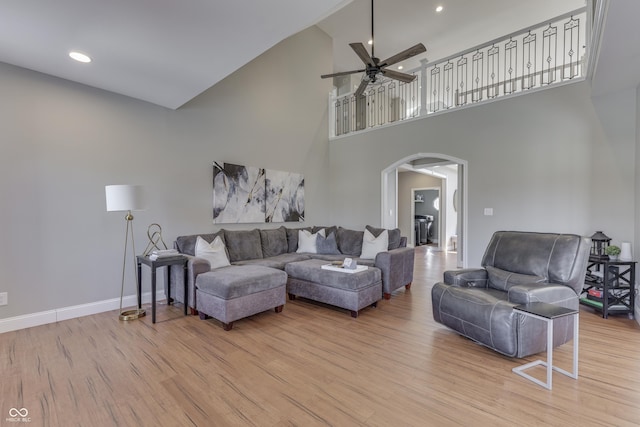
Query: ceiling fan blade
x: 405, y: 54
x: 361, y: 51
x: 407, y: 78
x: 342, y: 73
x: 363, y: 85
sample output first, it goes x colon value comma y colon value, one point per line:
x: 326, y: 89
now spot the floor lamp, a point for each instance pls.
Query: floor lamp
x: 127, y: 198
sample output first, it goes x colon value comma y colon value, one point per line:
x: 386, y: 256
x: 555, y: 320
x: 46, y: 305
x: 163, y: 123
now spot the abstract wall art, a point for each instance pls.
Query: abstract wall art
x: 247, y: 194
x: 285, y: 196
x: 238, y: 193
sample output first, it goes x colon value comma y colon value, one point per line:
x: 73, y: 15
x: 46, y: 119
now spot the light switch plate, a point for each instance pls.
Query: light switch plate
x: 488, y: 211
x: 4, y: 298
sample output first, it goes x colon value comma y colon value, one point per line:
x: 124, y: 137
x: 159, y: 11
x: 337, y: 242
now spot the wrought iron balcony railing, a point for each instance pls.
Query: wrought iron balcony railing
x: 537, y: 57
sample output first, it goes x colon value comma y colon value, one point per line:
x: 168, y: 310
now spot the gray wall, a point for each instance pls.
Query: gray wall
x: 61, y: 143
x: 543, y: 162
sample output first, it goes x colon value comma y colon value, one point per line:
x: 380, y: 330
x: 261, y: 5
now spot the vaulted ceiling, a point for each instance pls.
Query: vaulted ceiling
x: 167, y: 52
x: 162, y: 51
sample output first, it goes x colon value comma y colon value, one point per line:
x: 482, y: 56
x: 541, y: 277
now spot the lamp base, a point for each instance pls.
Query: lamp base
x: 132, y: 314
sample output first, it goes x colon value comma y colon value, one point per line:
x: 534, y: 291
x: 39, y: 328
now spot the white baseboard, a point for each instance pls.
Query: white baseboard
x: 66, y: 313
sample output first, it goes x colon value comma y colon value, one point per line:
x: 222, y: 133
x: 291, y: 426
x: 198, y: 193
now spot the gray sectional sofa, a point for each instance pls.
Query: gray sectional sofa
x: 275, y: 248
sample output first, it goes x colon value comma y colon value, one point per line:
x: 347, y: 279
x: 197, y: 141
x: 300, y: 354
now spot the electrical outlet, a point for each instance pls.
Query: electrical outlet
x: 4, y: 298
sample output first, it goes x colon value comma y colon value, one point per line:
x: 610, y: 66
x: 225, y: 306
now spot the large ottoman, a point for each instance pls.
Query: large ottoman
x: 351, y: 291
x: 234, y: 292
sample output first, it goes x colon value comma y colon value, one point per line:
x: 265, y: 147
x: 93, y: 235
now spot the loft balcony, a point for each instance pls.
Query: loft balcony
x: 548, y: 54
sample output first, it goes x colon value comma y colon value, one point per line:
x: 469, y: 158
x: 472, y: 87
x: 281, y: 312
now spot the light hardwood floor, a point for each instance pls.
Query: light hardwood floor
x: 310, y: 365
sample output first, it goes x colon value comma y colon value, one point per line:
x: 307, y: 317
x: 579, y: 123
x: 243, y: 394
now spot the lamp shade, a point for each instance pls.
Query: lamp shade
x: 124, y: 197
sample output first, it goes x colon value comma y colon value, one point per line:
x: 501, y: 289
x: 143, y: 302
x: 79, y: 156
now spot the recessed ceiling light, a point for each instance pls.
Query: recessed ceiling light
x: 370, y: 42
x: 439, y: 9
x: 400, y: 67
x: 80, y: 57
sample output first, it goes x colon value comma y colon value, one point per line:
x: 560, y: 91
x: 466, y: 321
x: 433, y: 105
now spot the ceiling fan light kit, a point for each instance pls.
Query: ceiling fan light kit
x: 374, y: 67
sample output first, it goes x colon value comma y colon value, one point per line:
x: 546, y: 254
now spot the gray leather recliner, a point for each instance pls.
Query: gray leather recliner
x: 518, y: 268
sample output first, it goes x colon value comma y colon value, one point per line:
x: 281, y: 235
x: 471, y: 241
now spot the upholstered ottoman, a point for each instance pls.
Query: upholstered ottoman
x: 234, y: 292
x: 351, y: 291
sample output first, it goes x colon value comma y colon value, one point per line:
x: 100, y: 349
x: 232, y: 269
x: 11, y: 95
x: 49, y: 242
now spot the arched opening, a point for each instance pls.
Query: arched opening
x: 399, y: 204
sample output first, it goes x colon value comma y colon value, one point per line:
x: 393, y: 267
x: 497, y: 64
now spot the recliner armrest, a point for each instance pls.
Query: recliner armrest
x: 550, y: 293
x: 467, y: 277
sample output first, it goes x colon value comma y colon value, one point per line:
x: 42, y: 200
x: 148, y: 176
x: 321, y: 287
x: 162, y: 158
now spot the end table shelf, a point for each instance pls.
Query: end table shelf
x: 612, y: 290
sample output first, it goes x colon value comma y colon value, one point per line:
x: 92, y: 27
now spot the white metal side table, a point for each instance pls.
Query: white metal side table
x: 548, y: 313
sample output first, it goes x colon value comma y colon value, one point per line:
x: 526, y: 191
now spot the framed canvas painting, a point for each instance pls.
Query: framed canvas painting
x: 284, y: 196
x: 238, y: 194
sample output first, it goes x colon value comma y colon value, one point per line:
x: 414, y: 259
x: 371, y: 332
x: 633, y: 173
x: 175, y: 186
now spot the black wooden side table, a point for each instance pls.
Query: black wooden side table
x: 616, y: 285
x: 154, y: 264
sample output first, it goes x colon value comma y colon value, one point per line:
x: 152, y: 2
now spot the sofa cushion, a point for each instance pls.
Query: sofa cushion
x: 187, y: 244
x: 394, y: 235
x: 307, y: 241
x: 237, y: 281
x: 274, y: 242
x: 278, y: 261
x: 243, y: 244
x: 372, y: 245
x: 503, y: 280
x: 292, y: 238
x: 327, y: 245
x: 350, y: 241
x: 214, y: 252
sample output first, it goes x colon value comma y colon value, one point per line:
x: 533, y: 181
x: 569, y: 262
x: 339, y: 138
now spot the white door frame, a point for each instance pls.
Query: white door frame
x: 389, y: 195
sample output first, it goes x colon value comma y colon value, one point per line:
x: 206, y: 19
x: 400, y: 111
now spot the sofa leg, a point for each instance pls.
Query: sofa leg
x: 354, y: 314
x: 227, y: 326
x: 375, y: 304
x: 386, y: 295
x: 292, y: 297
x: 193, y: 311
x: 279, y: 308
x: 407, y: 286
x: 203, y: 316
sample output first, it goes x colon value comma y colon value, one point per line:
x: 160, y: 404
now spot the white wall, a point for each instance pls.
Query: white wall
x: 541, y: 161
x: 61, y: 143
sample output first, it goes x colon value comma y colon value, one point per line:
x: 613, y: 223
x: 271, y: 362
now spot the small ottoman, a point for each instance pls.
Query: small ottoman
x: 351, y: 291
x: 237, y: 291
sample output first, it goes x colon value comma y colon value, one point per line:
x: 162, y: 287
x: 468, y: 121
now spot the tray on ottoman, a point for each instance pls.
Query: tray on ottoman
x: 353, y: 292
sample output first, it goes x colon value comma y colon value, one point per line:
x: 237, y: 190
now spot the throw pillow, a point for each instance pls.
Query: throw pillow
x: 371, y: 245
x: 213, y: 252
x: 394, y: 235
x: 307, y: 241
x: 327, y: 245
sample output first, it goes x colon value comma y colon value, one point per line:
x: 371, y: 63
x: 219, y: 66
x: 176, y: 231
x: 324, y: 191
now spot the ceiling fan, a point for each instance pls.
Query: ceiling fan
x: 373, y: 65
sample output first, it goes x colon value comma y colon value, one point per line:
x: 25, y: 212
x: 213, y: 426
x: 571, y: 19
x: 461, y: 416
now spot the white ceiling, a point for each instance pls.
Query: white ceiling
x: 162, y: 51
x: 461, y: 25
x: 167, y: 52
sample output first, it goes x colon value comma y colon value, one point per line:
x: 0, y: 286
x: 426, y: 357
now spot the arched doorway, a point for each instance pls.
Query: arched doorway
x: 456, y: 200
